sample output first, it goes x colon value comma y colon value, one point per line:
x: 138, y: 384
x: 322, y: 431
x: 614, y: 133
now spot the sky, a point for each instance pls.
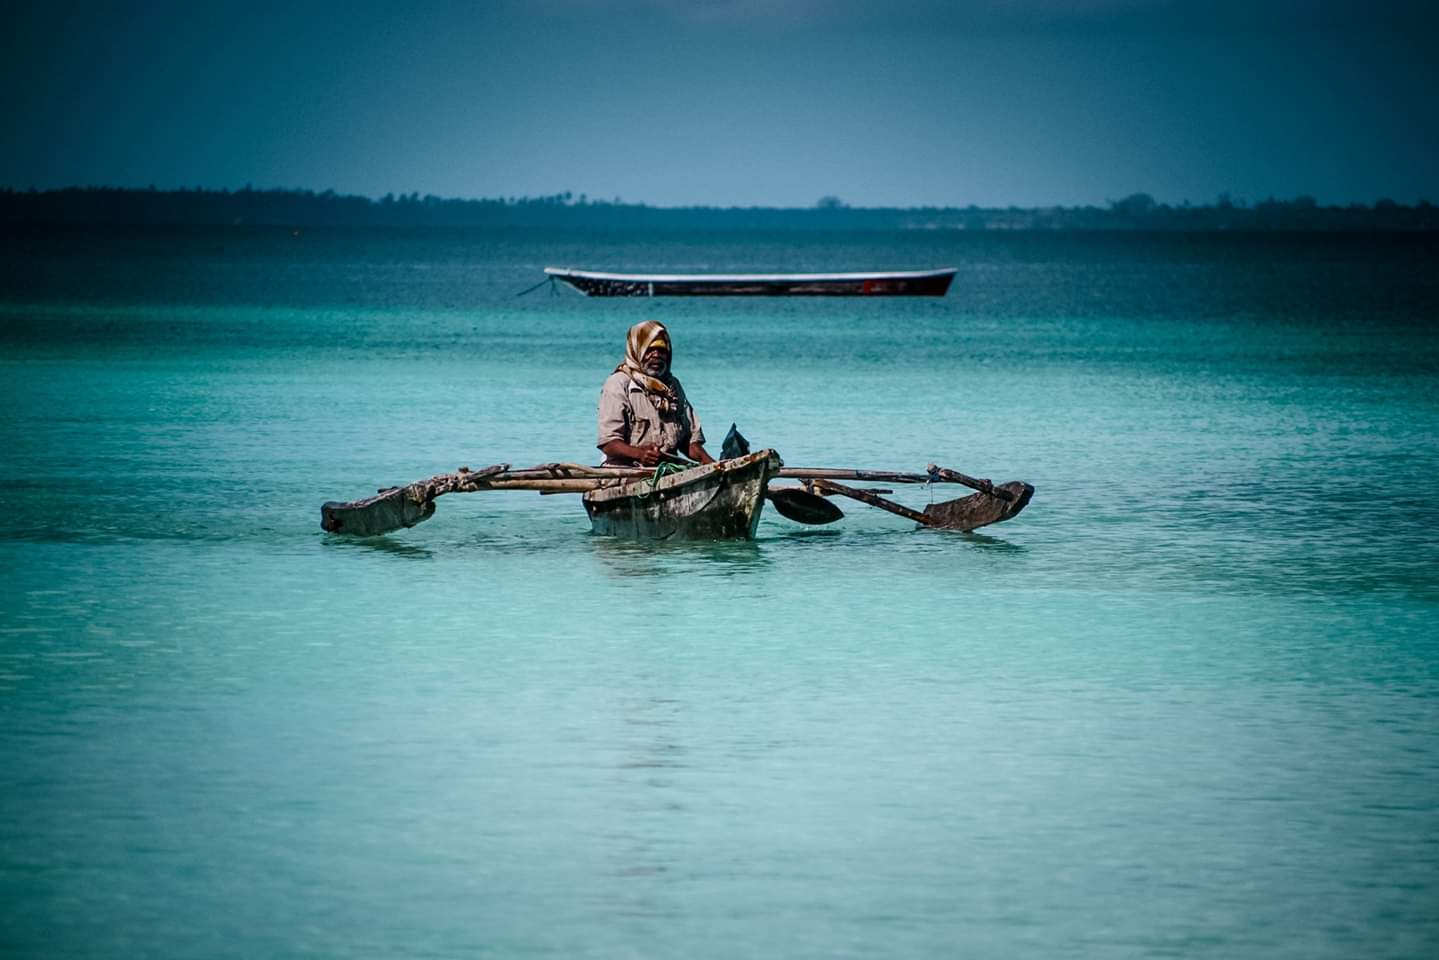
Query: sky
x: 731, y: 102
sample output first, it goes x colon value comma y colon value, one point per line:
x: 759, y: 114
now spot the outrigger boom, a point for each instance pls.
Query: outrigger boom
x: 685, y: 502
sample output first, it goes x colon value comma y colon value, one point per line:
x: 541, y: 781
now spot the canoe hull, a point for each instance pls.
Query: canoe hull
x: 720, y: 501
x: 932, y: 283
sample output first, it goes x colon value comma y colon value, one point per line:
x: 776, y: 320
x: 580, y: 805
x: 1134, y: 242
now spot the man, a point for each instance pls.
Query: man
x: 644, y: 417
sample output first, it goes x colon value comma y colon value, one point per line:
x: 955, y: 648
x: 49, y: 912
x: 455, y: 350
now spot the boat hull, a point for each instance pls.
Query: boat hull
x: 932, y: 283
x: 718, y: 501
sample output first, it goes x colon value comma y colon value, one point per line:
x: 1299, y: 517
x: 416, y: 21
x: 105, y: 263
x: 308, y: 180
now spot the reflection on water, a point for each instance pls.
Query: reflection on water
x: 989, y: 541
x: 385, y: 544
x: 800, y: 534
x: 648, y: 797
x: 625, y: 559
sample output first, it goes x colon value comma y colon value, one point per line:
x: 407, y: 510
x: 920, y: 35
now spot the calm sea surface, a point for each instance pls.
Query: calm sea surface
x: 1186, y: 705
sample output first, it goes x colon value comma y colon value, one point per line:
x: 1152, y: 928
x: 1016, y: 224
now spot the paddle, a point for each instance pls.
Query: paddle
x: 792, y: 503
x: 801, y: 506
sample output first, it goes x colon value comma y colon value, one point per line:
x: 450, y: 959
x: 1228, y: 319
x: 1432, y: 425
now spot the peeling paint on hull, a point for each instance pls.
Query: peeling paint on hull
x: 719, y: 501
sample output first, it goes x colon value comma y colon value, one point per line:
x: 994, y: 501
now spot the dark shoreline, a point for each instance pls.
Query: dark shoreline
x: 97, y: 206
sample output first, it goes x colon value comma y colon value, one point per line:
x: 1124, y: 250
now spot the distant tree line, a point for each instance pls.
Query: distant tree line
x: 306, y: 208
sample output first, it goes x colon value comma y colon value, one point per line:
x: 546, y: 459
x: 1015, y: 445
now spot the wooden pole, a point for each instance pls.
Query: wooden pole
x: 983, y: 486
x: 864, y: 496
x: 559, y: 485
x: 873, y: 476
x: 395, y: 507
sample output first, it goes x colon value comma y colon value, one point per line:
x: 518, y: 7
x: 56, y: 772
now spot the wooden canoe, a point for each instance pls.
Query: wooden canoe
x: 717, y: 501
x: 911, y: 283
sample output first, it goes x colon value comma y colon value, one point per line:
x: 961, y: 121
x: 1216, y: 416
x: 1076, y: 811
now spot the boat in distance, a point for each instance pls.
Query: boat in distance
x: 907, y: 283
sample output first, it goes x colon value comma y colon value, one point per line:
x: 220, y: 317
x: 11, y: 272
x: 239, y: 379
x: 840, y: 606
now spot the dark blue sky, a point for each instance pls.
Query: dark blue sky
x: 902, y: 102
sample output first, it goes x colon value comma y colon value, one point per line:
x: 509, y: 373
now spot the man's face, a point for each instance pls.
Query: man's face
x: 656, y: 361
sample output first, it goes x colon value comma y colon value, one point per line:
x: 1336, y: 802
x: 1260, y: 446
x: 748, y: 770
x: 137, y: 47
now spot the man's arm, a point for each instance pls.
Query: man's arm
x: 648, y: 455
x: 614, y: 426
x: 697, y: 449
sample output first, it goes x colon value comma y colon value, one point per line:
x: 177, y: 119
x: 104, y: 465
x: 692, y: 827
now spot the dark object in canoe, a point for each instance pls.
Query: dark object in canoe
x: 910, y: 283
x: 717, y: 501
x: 735, y: 445
x: 792, y: 503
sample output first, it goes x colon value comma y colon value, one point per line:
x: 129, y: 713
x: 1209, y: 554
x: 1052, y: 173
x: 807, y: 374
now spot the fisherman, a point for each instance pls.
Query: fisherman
x: 644, y: 418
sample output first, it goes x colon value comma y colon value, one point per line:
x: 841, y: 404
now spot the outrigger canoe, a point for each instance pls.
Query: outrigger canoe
x: 716, y: 501
x: 912, y: 283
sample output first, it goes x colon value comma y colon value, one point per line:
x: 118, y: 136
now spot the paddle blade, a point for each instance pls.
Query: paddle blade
x: 801, y: 506
x: 390, y: 510
x: 979, y: 509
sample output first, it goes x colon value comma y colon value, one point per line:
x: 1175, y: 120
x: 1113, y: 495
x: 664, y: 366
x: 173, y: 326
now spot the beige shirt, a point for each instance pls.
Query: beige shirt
x: 628, y: 414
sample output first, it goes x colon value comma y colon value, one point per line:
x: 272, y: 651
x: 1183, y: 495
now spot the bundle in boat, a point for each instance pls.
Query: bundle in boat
x: 714, y: 501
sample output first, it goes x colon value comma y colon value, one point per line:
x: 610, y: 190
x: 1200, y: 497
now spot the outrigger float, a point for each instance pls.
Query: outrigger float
x: 907, y: 283
x: 682, y: 501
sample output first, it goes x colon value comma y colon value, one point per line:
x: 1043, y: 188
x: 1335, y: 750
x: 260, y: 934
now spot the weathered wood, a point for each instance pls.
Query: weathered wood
x: 864, y: 496
x: 389, y: 510
x: 718, y: 501
x: 872, y: 476
x: 396, y: 507
x: 570, y: 485
x: 792, y: 503
x: 984, y: 486
x: 560, y: 471
x: 980, y: 509
x: 964, y: 514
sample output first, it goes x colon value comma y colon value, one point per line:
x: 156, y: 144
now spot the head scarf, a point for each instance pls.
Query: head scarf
x: 642, y: 336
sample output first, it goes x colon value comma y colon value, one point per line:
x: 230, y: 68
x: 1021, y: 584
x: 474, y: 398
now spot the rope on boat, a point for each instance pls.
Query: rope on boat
x: 663, y: 469
x: 549, y: 280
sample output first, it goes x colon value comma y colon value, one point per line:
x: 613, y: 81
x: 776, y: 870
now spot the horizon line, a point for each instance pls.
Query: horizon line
x: 829, y: 202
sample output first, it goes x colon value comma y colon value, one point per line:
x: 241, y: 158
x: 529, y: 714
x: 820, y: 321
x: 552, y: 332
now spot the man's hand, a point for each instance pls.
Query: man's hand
x: 648, y: 455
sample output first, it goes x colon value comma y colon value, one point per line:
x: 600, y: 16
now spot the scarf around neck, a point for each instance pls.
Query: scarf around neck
x: 640, y: 337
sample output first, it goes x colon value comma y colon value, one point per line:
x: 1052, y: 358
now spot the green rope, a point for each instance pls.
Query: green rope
x: 663, y: 469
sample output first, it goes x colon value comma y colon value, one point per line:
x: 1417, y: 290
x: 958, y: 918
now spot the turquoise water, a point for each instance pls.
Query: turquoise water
x: 1187, y: 704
